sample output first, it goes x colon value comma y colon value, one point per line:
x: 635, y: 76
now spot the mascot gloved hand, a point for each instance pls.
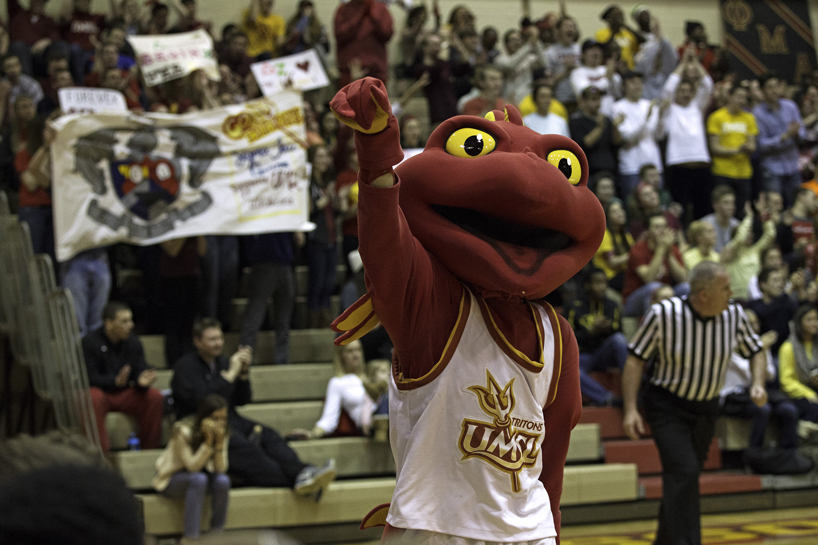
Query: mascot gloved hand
x: 460, y: 244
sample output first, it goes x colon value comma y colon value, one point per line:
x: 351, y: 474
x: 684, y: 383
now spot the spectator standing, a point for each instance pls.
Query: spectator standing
x: 59, y: 79
x: 348, y: 404
x: 562, y: 57
x: 702, y: 239
x: 517, y: 63
x: 614, y: 252
x: 776, y: 308
x: 194, y: 464
x: 681, y: 402
x: 220, y: 277
x: 696, y: 39
x: 543, y: 121
x: 440, y: 90
x: 625, y: 39
x: 32, y: 161
x: 187, y: 21
x: 119, y: 377
x: 305, y: 31
x: 743, y: 258
x: 409, y: 41
x: 798, y: 363
x: 595, y: 320
x: 637, y: 120
x: 258, y: 455
x: 321, y: 247
x: 656, y: 58
x: 362, y: 29
x: 723, y: 199
x: 158, y: 21
x: 594, y: 132
x: 594, y: 71
x: 31, y: 32
x: 20, y: 84
x: 652, y: 262
x: 88, y: 277
x: 490, y: 82
x: 271, y: 257
x: 488, y: 41
x: 80, y: 29
x: 264, y: 30
x: 686, y: 154
x: 732, y: 137
x: 180, y: 282
x: 779, y: 130
x: 735, y: 395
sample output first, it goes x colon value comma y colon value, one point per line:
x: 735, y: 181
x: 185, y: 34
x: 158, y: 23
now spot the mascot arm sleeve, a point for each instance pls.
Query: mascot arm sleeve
x: 415, y: 298
x: 560, y: 418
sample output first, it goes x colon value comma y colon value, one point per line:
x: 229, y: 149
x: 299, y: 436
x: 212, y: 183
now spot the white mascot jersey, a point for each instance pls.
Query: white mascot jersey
x: 466, y: 437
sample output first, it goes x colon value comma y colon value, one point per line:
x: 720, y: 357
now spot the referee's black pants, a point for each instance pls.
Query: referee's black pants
x: 683, y: 431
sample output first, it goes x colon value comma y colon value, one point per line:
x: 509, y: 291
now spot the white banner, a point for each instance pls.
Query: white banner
x: 90, y: 100
x: 233, y: 170
x: 167, y: 57
x: 302, y: 71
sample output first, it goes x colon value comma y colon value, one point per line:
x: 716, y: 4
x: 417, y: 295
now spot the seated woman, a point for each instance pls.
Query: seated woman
x: 348, y: 405
x: 702, y: 239
x: 614, y: 252
x: 194, y: 463
x: 798, y: 363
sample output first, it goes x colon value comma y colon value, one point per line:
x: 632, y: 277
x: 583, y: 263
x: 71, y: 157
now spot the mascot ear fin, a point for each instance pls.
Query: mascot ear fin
x: 512, y: 115
x: 495, y: 115
x: 356, y: 321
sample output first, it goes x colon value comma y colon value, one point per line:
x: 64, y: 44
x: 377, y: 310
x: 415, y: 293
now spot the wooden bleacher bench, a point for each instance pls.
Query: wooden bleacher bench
x: 354, y: 456
x: 349, y: 501
x: 306, y: 346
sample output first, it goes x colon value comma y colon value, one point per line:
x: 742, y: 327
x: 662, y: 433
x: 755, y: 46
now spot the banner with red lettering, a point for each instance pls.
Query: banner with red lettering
x: 233, y: 170
x: 168, y: 57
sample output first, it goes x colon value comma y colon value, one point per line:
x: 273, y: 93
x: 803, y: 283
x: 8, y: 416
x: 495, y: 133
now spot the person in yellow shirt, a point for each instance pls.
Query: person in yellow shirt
x: 731, y: 133
x: 627, y: 40
x: 527, y: 106
x: 265, y: 30
x: 614, y: 252
x: 701, y: 236
x: 798, y: 363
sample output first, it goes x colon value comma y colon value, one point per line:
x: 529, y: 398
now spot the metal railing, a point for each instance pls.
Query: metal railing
x: 41, y: 324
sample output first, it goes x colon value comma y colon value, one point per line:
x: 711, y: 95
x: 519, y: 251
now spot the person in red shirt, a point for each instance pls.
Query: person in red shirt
x: 490, y: 81
x: 32, y: 32
x: 800, y: 217
x: 362, y: 29
x: 653, y: 262
x: 80, y: 30
x: 696, y: 37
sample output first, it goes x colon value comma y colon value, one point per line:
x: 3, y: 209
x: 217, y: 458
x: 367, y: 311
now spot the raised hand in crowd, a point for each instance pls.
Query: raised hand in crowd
x: 146, y: 378
x: 121, y: 379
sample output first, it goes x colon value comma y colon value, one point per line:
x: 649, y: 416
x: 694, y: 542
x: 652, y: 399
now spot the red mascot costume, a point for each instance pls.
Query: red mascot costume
x: 460, y: 244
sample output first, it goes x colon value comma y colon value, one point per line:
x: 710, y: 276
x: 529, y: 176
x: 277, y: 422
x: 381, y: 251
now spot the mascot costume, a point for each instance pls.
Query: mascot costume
x: 460, y: 244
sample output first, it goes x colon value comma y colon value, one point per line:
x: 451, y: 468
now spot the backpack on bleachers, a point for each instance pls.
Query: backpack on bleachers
x: 777, y: 461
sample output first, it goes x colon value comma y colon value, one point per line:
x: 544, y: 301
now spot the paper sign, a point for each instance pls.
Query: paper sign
x: 302, y: 71
x: 90, y: 100
x: 165, y: 58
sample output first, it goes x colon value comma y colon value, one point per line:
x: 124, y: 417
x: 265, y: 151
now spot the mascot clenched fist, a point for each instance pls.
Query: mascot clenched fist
x: 460, y: 244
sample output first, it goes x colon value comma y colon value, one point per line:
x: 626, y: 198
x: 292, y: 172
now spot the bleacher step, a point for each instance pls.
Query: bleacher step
x: 645, y: 455
x: 284, y: 416
x: 277, y: 382
x: 306, y: 346
x: 709, y: 484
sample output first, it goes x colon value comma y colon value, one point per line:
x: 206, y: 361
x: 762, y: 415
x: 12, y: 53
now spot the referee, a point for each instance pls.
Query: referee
x: 688, y: 341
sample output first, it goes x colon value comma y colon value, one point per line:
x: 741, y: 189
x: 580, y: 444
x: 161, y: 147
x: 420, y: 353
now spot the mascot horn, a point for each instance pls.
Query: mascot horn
x: 460, y: 244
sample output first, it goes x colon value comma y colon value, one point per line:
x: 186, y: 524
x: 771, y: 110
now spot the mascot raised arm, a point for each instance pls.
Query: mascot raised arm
x: 460, y: 244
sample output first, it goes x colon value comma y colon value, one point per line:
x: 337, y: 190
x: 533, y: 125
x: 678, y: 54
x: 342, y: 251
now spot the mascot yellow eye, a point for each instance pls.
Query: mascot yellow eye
x: 567, y: 163
x: 468, y: 143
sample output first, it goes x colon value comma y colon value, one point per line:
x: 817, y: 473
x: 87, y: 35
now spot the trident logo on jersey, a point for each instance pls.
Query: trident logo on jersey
x: 507, y: 443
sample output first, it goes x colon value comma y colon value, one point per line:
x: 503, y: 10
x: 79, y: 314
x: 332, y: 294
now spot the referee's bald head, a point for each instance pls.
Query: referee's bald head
x: 710, y: 291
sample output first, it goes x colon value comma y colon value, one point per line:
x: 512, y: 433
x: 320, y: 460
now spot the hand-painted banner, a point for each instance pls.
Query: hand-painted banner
x: 769, y: 36
x: 167, y: 57
x: 90, y: 100
x: 302, y: 71
x: 233, y: 170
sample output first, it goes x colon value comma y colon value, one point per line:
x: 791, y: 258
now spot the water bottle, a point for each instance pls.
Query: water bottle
x: 133, y: 442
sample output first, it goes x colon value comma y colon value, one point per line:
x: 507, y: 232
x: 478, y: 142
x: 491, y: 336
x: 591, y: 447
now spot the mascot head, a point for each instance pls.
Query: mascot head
x: 506, y: 209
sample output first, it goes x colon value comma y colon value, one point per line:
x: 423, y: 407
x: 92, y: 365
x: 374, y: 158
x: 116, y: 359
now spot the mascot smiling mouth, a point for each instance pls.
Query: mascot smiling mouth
x: 512, y: 241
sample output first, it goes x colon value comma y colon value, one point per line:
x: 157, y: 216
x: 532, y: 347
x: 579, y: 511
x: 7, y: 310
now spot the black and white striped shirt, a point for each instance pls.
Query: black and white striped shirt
x: 690, y: 353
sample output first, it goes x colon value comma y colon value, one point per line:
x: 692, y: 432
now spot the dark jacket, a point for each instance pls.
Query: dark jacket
x: 581, y: 315
x: 193, y: 380
x: 104, y: 359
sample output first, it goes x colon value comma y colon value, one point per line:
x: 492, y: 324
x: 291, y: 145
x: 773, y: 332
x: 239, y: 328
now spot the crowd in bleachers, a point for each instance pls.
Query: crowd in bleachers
x: 689, y: 162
